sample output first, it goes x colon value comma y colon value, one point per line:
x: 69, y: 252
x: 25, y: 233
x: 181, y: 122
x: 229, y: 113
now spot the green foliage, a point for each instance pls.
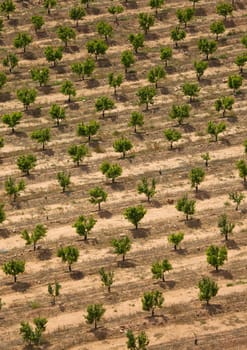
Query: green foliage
x: 224, y: 103
x: 63, y: 179
x: 236, y: 197
x: 68, y: 89
x: 244, y: 40
x: 240, y: 61
x: 196, y: 176
x: 97, y: 196
x: 152, y: 300
x: 122, y: 145
x: 200, y: 67
x: 88, y: 130
x: 54, y: 291
x: 38, y: 22
x: 53, y: 54
x: 94, y: 314
x: 235, y: 82
x: 178, y: 34
x: 10, y: 61
x: 14, y: 268
x: 30, y: 335
x: 185, y: 15
x: 226, y: 227
x: 6, y: 7
x: 180, y: 112
x: 68, y: 255
x: 224, y: 9
x: 207, y: 46
x: 216, y: 256
x: 65, y: 33
x: 22, y: 40
x: 175, y: 239
x: 215, y: 129
x: 26, y: 96
x: 105, y: 29
x: 136, y: 40
x: 146, y: 95
x: 116, y: 10
x: 121, y: 246
x: 77, y: 13
x: 38, y: 233
x: 84, y: 68
x: 242, y: 168
x: 146, y: 188
x: 186, y: 205
x: 217, y: 28
x: 107, y: 278
x: 84, y: 225
x: 136, y: 119
x: 41, y: 75
x: 2, y: 213
x: 42, y: 136
x: 159, y: 268
x: 172, y: 135
x: 166, y: 54
x: 3, y: 79
x: 103, y: 104
x: 96, y: 47
x: 146, y: 21
x: 140, y: 342
x: 12, y: 188
x: 155, y: 74
x: 127, y: 59
x: 156, y: 4
x: 191, y: 90
x: 49, y: 4
x: 26, y: 162
x: 115, y: 81
x: 111, y: 171
x: 57, y: 113
x: 12, y: 119
x: 135, y: 214
x: 206, y: 158
x: 77, y: 153
x: 208, y: 289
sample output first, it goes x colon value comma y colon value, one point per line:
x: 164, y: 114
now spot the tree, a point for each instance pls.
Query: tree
x: 103, y: 104
x: 68, y: 89
x: 53, y: 54
x: 216, y: 256
x: 185, y: 15
x: 191, y: 90
x: 12, y: 119
x: 226, y: 227
x: 166, y: 54
x: 224, y: 9
x: 2, y: 213
x: 49, y: 4
x: 159, y: 268
x: 84, y: 225
x: 54, y: 291
x: 3, y: 79
x: 215, y: 129
x: 235, y: 82
x: 122, y: 246
x: 178, y: 34
x: 146, y: 21
x: 135, y: 214
x: 37, y: 22
x: 38, y: 233
x: 57, y: 113
x: 122, y: 145
x: 97, y: 196
x: 111, y: 171
x: 224, y: 103
x: 116, y: 10
x: 1, y: 142
x: 96, y: 47
x: 208, y: 289
x: 10, y: 61
x: 42, y: 136
x: 172, y: 135
x: 186, y: 205
x: 115, y: 81
x: 200, y: 67
x: 244, y: 40
x: 140, y: 342
x: 94, y: 314
x: 136, y: 119
x: 244, y: 144
x: 26, y: 96
x: 107, y: 278
x: 217, y: 28
x: 41, y: 75
x: 65, y: 33
x: 146, y: 95
x: 206, y: 158
x: 194, y: 3
x: 12, y: 188
x: 146, y: 188
x: 26, y: 162
x: 63, y: 179
x: 155, y: 74
x: 1, y: 25
x: 240, y: 61
x: 104, y: 29
x: 156, y: 4
x: 242, y: 168
x: 236, y: 197
x: 207, y: 46
x: 77, y: 153
x: 136, y: 40
x: 14, y: 268
x: 84, y: 68
x: 68, y: 254
x: 175, y: 239
x: 22, y: 40
x: 6, y: 7
x: 30, y: 335
x: 196, y: 176
x: 127, y: 59
x: 88, y: 130
x: 77, y: 13
x: 152, y: 300
x: 180, y: 112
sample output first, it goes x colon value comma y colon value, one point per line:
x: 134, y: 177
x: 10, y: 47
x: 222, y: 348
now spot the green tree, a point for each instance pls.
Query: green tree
x: 206, y: 158
x: 10, y: 61
x: 207, y: 47
x: 42, y: 136
x: 1, y: 142
x: 200, y: 67
x: 115, y: 81
x: 38, y: 233
x: 41, y: 75
x: 26, y: 162
x: 208, y: 289
x: 96, y: 47
x: 57, y: 113
x: 77, y: 153
x: 244, y: 144
x: 159, y: 268
x: 94, y: 314
x: 105, y: 29
x: 140, y: 342
x: 22, y: 40
x: 180, y: 112
x: 6, y: 7
x: 116, y: 10
x: 49, y: 4
x: 63, y: 179
x: 121, y: 246
x: 172, y: 135
x: 224, y: 103
x: 217, y: 28
x: 97, y: 196
x: 3, y: 79
x: 26, y: 96
x: 240, y: 61
x: 53, y: 54
x: 135, y: 214
x: 66, y: 33
x: 122, y: 145
x: 226, y: 227
x: 176, y: 239
x: 146, y: 95
x: 12, y: 119
x: 185, y: 15
x: 224, y: 9
x: 33, y: 335
x: 244, y: 40
x: 191, y: 90
x: 146, y: 21
x: 88, y: 130
x: 127, y: 59
x: 152, y: 300
x: 178, y: 34
x: 147, y: 188
x: 196, y: 176
x: 215, y: 129
x: 54, y: 291
x: 136, y: 40
x: 77, y: 13
x: 186, y: 205
x: 84, y: 225
x: 136, y: 119
x: 12, y: 188
x: 84, y: 68
x: 107, y: 278
x: 155, y: 74
x: 103, y: 104
x: 242, y: 168
x: 166, y: 54
x: 111, y: 171
x: 216, y: 256
x: 68, y: 89
x: 236, y: 197
x: 2, y: 213
x: 37, y: 22
x: 156, y: 4
x: 14, y: 268
x: 235, y: 82
x: 69, y: 255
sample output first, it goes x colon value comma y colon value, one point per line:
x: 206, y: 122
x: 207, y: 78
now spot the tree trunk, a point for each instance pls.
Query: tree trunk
x: 70, y: 269
x: 123, y: 258
x: 196, y: 188
x: 152, y: 314
x: 206, y: 163
x: 109, y: 289
x: 43, y: 146
x: 175, y: 247
x: 135, y: 129
x: 34, y: 246
x: 103, y: 113
x: 226, y: 236
x: 146, y: 106
x: 15, y: 278
x: 187, y: 217
x: 136, y: 225
x: 216, y: 268
x: 171, y: 145
x: 163, y: 277
x: 95, y: 324
x: 99, y: 206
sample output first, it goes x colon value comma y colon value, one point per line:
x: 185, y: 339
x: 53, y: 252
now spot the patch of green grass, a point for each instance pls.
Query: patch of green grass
x: 33, y: 304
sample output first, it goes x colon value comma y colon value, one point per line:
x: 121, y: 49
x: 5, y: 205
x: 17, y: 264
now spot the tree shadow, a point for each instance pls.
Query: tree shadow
x: 200, y: 11
x: 20, y: 286
x: 46, y: 89
x: 83, y: 28
x: 131, y: 76
x: 34, y: 112
x: 171, y: 69
x: 117, y: 186
x: 188, y: 128
x: 4, y: 233
x: 223, y: 273
x: 100, y: 333
x: 93, y: 11
x: 76, y: 275
x: 181, y: 251
x: 142, y: 55
x: 104, y: 62
x: 131, y: 4
x: 232, y: 119
x: 44, y: 254
x: 225, y: 141
x: 42, y: 34
x: 231, y: 244
x: 60, y: 69
x: 5, y: 96
x: 214, y: 62
x: 74, y: 106
x: 170, y: 284
x: 140, y: 232
x: 151, y: 36
x: 213, y: 309
x: 121, y: 98
x: 139, y: 135
x: 13, y: 22
x: 49, y: 152
x: 71, y: 49
x: 127, y: 263
x: 205, y: 81
x: 155, y: 203
x: 202, y: 194
x: 164, y: 90
x: 229, y: 23
x: 104, y: 214
x: 20, y: 134
x: 156, y: 318
x: 92, y: 83
x: 29, y: 55
x: 193, y: 223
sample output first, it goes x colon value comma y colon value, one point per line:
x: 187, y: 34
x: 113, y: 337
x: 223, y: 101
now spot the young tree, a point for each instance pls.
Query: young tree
x: 226, y: 227
x: 37, y: 22
x: 57, y: 113
x: 22, y: 40
x: 200, y: 67
x: 196, y: 176
x: 136, y: 40
x: 115, y: 81
x: 69, y: 255
x: 3, y: 79
x: 180, y: 112
x: 146, y: 95
x: 216, y: 256
x: 26, y: 162
x: 54, y: 291
x: 244, y: 40
x: 206, y: 158
x: 215, y: 129
x: 176, y: 239
x: 178, y: 34
x: 12, y: 119
x: 186, y: 205
x: 63, y: 179
x: 185, y: 15
x: 159, y: 268
x: 141, y: 341
x: 217, y: 28
x: 122, y: 145
x: 235, y: 82
x: 172, y: 135
x: 242, y: 168
x: 107, y: 278
x: 53, y: 54
x: 121, y: 246
x: 136, y: 119
x: 191, y: 90
x: 224, y: 9
x: 240, y: 61
x: 111, y: 171
x: 224, y: 103
x: 96, y: 47
x: 2, y: 213
x: 68, y: 89
x: 6, y: 7
x: 127, y: 59
x: 65, y: 33
x: 38, y: 233
x: 97, y: 196
x: 94, y: 314
x: 41, y: 75
x: 88, y: 130
x: 13, y: 189
x: 116, y: 10
x: 10, y: 61
x: 152, y: 300
x: 208, y: 289
x: 156, y: 4
x: 49, y: 4
x: 14, y: 268
x: 166, y: 54
x: 207, y: 47
x: 103, y: 104
x: 155, y: 74
x: 237, y: 198
x: 78, y: 153
x: 146, y: 188
x: 1, y: 142
x: 42, y: 136
x: 135, y: 214
x: 84, y: 225
x: 33, y: 335
x: 26, y: 96
x: 146, y: 21
x: 84, y: 68
x: 77, y: 13
x: 104, y: 29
